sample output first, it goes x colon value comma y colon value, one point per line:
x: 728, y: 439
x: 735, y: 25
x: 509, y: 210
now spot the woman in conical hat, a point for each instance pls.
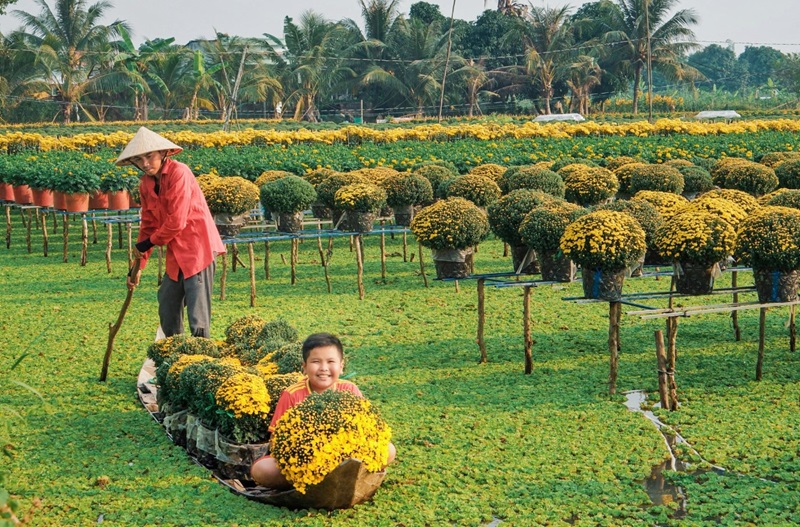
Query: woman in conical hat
x: 174, y: 214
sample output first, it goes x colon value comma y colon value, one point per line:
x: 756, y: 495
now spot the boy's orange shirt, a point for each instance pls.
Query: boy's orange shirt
x: 296, y: 393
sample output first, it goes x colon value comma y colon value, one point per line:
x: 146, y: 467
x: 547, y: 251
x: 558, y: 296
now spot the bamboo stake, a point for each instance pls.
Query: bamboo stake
x: 66, y: 237
x: 330, y: 250
x: 360, y: 263
x: 482, y: 320
x: 526, y: 323
x: 234, y: 256
x: 55, y: 222
x: 293, y: 259
x: 762, y: 321
x: 672, y: 356
x: 45, y: 237
x: 109, y: 244
x: 405, y: 246
x: 84, y: 239
x: 661, y: 358
x: 266, y: 260
x: 422, y: 267
x: 129, y: 232
x: 8, y: 226
x: 792, y: 330
x: 505, y: 250
x: 613, y: 345
x: 324, y: 264
x: 383, y: 254
x: 119, y: 235
x: 28, y: 226
x: 737, y: 332
x: 252, y: 274
x: 223, y: 276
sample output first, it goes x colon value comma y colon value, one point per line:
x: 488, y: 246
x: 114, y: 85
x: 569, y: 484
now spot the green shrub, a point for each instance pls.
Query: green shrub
x: 788, y: 198
x: 326, y: 191
x: 788, y: 173
x: 534, y: 178
x: 288, y: 194
x: 480, y: 190
x: 243, y: 332
x: 435, y: 173
x: 544, y: 226
x: 660, y: 178
x: 616, y: 162
x: 407, y: 189
x: 564, y: 161
x: 695, y: 179
x: 506, y: 214
x: 289, y: 358
x: 454, y: 223
x: 747, y: 176
x: 643, y: 212
x: 586, y: 185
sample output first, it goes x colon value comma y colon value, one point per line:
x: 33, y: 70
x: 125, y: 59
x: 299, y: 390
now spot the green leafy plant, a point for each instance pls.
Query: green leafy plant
x: 696, y: 179
x: 480, y: 190
x: 643, y: 212
x: 534, y: 178
x: 407, y: 189
x: 661, y: 178
x: 454, y: 223
x: 744, y: 175
x: 770, y: 239
x: 788, y: 173
x: 360, y: 197
x: 506, y: 214
x: 232, y: 195
x: 544, y: 226
x: 326, y: 190
x: 287, y: 194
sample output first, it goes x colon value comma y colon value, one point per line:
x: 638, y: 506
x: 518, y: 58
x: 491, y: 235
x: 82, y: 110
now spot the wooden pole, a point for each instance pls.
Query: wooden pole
x: 119, y: 235
x: 405, y: 247
x: 45, y: 236
x: 252, y: 274
x: 661, y: 358
x: 293, y: 259
x: 266, y: 260
x: 360, y: 263
x: 84, y: 239
x: 8, y: 226
x: 505, y: 250
x: 383, y: 253
x: 792, y: 330
x: 28, y: 226
x: 114, y: 328
x: 526, y: 323
x: 223, y: 276
x: 762, y: 321
x: 324, y: 263
x: 109, y: 245
x: 94, y: 231
x: 613, y: 344
x: 234, y: 256
x: 66, y: 237
x: 482, y: 320
x: 422, y: 267
x: 737, y: 332
x: 672, y: 355
x: 128, y: 230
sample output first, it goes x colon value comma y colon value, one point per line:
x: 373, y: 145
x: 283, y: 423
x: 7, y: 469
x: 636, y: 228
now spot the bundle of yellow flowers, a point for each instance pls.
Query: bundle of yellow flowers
x: 205, y: 181
x: 360, y: 197
x: 666, y: 203
x: 232, y: 195
x: 604, y: 240
x: 245, y: 404
x: 728, y: 210
x: 770, y: 239
x: 454, y: 223
x: 695, y: 236
x: 490, y: 170
x: 314, y: 437
x: 270, y: 175
x: 375, y: 175
x: 743, y: 199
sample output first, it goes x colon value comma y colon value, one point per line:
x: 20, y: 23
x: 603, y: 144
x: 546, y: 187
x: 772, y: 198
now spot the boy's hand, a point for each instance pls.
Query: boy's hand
x: 133, y: 280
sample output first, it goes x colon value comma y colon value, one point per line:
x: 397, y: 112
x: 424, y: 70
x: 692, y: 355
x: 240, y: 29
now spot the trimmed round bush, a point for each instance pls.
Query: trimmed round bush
x: 696, y: 179
x: 315, y: 177
x: 407, y: 188
x: 543, y: 227
x: 747, y: 176
x: 506, y: 214
x: 678, y: 163
x: 615, y: 162
x: 587, y: 185
x: 453, y: 223
x: 534, y: 178
x: 743, y: 199
x: 326, y: 191
x: 564, y: 161
x: 774, y: 159
x: 788, y: 198
x: 480, y: 190
x: 667, y: 203
x: 288, y: 194
x: 661, y: 178
x: 435, y: 173
x: 788, y: 173
x: 270, y: 175
x: 643, y: 212
x: 624, y: 174
x: 490, y: 170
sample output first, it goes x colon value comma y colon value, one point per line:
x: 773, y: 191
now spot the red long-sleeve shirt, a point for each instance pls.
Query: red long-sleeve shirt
x: 178, y: 217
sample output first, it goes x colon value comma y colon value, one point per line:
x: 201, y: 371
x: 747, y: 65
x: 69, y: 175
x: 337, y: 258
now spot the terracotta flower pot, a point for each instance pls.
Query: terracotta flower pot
x: 6, y: 192
x: 23, y: 194
x: 119, y: 200
x: 131, y: 201
x: 98, y: 200
x: 77, y: 202
x: 59, y: 200
x: 43, y: 197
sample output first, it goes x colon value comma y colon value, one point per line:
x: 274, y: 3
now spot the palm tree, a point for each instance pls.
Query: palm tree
x: 309, y: 61
x: 546, y: 36
x: 509, y: 7
x: 629, y: 23
x: 19, y: 77
x: 473, y: 76
x: 69, y: 44
x: 584, y: 74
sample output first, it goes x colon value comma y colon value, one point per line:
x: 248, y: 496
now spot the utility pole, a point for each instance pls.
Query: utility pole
x: 447, y: 59
x: 649, y: 61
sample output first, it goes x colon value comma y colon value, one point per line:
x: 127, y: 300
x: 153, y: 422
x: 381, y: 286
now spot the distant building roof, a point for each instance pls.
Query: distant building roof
x: 717, y: 114
x: 559, y: 117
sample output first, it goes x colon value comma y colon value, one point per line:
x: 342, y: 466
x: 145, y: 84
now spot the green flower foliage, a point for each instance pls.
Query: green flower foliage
x: 315, y: 177
x: 770, y: 239
x: 233, y: 195
x: 775, y: 159
x: 747, y: 176
x: 679, y: 163
x: 407, y: 189
x: 244, y: 332
x: 435, y: 173
x: 289, y: 358
x: 360, y: 197
x: 695, y: 179
x: 278, y: 329
x: 199, y: 381
x: 624, y: 174
x: 288, y: 194
x: 564, y: 161
x: 534, y: 178
x: 615, y: 162
x: 326, y: 190
x: 480, y: 190
x: 788, y: 173
x: 644, y: 212
x: 787, y: 198
x: 544, y: 226
x: 490, y: 170
x: 661, y: 178
x: 506, y: 214
x: 270, y: 175
x: 454, y: 223
x: 604, y: 239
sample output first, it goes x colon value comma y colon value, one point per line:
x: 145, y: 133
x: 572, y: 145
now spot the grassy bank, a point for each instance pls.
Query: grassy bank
x: 475, y: 441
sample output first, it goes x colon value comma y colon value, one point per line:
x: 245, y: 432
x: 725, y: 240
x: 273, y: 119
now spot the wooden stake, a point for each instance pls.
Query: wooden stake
x: 792, y: 329
x: 505, y: 250
x: 526, y: 324
x: 119, y: 235
x: 84, y: 239
x: 614, y: 308
x: 28, y: 226
x: 360, y: 263
x: 383, y: 254
x: 323, y: 261
x: 266, y: 260
x: 8, y: 226
x: 223, y: 276
x: 672, y: 356
x: 109, y: 245
x: 661, y: 360
x: 114, y: 328
x: 422, y: 267
x: 45, y: 237
x: 737, y: 332
x: 293, y: 259
x: 66, y: 237
x: 252, y: 274
x: 482, y: 320
x: 94, y: 231
x: 405, y: 246
x: 234, y: 256
x: 762, y: 322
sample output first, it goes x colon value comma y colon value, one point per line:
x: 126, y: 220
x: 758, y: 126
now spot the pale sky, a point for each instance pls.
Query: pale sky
x: 744, y: 22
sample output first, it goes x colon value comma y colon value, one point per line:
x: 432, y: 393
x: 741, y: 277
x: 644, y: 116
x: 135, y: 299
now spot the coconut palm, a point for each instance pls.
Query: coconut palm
x: 546, y: 37
x: 628, y: 23
x: 309, y: 61
x: 19, y: 77
x: 584, y: 74
x: 70, y: 43
x: 472, y: 75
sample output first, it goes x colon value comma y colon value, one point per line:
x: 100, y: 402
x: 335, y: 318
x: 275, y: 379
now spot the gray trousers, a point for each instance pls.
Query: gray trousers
x: 194, y: 293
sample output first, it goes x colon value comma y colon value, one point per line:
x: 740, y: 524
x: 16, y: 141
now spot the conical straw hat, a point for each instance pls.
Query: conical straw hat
x: 144, y: 142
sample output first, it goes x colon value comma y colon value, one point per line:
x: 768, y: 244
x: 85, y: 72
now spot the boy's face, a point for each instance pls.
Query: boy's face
x: 149, y: 163
x: 323, y: 367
